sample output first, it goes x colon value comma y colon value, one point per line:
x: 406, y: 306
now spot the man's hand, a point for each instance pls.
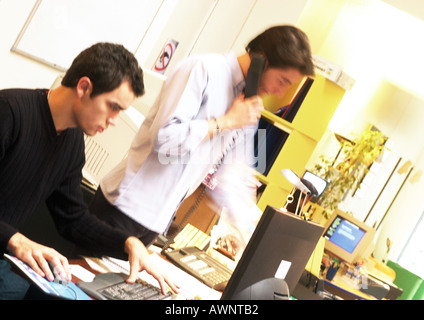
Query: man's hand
x: 37, y: 255
x: 139, y: 259
x: 243, y: 112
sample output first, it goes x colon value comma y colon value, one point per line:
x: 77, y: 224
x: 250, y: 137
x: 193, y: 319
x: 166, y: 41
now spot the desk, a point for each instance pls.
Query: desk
x: 336, y: 286
x: 345, y: 291
x: 381, y: 289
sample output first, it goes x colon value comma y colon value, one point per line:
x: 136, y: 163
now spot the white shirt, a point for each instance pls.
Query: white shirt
x: 169, y: 156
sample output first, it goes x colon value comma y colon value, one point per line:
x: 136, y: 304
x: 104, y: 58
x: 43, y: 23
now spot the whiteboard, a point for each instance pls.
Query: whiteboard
x: 56, y: 31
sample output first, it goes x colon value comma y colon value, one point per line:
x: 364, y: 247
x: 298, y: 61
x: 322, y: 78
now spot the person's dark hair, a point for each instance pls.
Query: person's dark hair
x: 107, y: 65
x: 284, y: 47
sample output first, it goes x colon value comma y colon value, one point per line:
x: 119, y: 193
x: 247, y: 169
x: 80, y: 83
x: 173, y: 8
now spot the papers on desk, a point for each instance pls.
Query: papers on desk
x: 191, y: 288
x: 81, y: 273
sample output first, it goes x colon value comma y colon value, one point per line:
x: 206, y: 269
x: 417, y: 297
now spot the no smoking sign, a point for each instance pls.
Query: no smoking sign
x: 165, y: 56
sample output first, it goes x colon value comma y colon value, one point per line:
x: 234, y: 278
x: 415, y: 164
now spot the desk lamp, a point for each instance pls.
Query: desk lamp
x: 298, y: 184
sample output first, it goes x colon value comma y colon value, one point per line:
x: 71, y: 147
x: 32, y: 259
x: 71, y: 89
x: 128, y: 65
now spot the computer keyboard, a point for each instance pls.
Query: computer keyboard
x: 112, y: 286
x: 136, y: 291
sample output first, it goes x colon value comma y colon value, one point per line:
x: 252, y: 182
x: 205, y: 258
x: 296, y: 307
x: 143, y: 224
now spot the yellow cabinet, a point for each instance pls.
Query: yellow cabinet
x: 304, y: 133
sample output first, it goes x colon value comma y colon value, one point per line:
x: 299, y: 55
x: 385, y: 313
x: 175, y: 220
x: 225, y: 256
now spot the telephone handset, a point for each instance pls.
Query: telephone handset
x: 253, y: 78
x: 257, y: 65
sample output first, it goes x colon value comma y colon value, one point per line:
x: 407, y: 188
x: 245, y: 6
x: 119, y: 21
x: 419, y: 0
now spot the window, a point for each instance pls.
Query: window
x: 412, y: 255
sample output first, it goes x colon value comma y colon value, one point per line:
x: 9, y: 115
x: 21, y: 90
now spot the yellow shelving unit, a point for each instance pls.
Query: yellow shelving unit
x: 305, y: 132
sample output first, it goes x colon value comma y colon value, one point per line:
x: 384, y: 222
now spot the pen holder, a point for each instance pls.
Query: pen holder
x: 332, y: 270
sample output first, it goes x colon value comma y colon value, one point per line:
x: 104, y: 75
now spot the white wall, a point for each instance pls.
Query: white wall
x: 17, y: 71
x: 198, y: 26
x: 219, y: 26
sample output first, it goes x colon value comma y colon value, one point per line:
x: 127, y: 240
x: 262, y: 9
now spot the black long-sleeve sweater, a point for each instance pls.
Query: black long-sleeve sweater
x: 37, y: 165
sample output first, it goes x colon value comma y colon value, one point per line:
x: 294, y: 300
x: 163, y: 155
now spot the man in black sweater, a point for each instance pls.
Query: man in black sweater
x: 42, y: 155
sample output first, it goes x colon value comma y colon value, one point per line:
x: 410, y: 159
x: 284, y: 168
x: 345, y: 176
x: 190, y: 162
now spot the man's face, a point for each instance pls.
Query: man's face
x: 276, y: 81
x: 96, y: 114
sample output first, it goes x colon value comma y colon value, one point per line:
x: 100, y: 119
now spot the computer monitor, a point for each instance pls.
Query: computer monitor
x: 346, y: 237
x: 319, y: 183
x: 316, y: 186
x: 279, y: 248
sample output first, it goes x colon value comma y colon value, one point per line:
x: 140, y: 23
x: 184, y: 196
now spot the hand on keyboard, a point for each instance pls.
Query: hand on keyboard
x: 139, y: 259
x: 137, y: 291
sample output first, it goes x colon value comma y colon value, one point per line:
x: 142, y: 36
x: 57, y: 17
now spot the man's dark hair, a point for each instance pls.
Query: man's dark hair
x: 107, y: 65
x: 284, y: 47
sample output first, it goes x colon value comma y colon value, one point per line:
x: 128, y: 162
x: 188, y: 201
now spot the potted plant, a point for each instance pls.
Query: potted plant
x: 346, y: 174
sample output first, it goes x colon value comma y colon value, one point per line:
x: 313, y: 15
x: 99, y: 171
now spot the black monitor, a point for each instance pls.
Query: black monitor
x: 316, y: 186
x: 279, y: 248
x: 319, y: 183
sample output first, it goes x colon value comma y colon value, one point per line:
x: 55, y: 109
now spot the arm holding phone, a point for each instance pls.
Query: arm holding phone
x: 246, y: 108
x: 243, y: 112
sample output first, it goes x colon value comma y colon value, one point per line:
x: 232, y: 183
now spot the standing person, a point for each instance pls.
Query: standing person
x: 191, y: 126
x: 42, y: 155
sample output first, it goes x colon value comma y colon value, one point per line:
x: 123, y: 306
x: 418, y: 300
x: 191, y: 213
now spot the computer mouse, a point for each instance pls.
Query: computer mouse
x: 57, y: 277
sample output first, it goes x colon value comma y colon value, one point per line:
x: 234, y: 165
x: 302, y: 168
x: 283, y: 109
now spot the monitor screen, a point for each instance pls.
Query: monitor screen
x: 347, y: 237
x: 344, y: 234
x: 319, y: 183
